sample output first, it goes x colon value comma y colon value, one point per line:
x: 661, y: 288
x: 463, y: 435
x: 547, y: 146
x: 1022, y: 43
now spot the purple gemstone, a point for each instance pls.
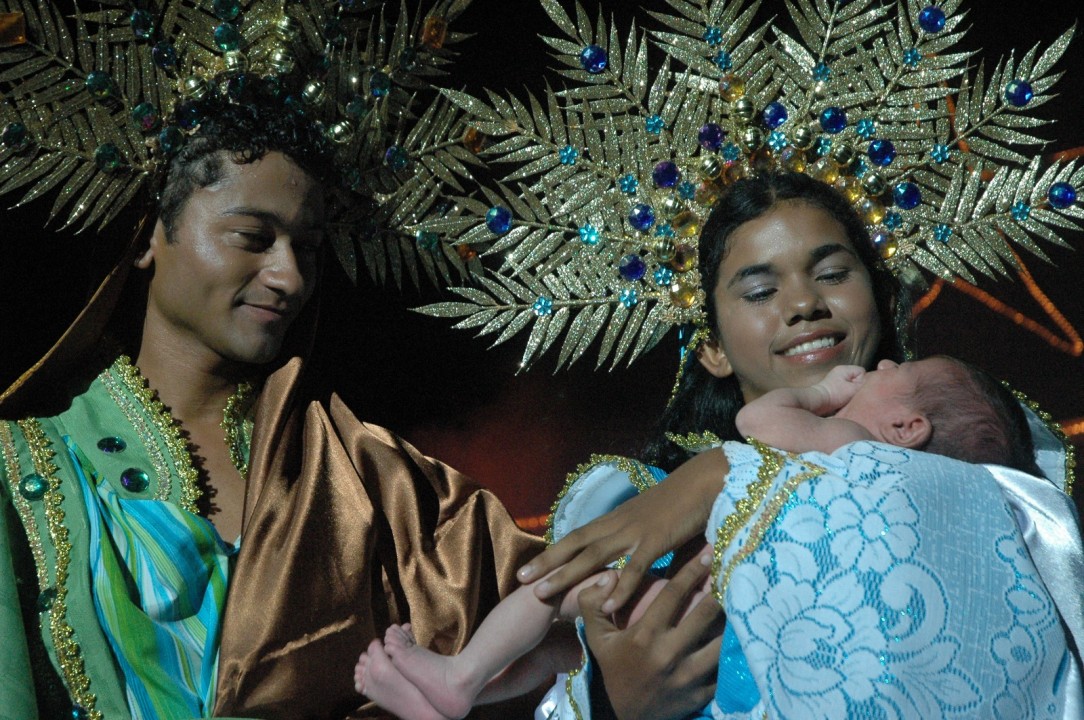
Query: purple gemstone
x: 711, y: 136
x: 666, y: 174
x: 632, y: 268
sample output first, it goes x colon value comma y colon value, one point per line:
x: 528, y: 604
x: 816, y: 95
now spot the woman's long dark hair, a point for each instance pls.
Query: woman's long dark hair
x: 706, y: 403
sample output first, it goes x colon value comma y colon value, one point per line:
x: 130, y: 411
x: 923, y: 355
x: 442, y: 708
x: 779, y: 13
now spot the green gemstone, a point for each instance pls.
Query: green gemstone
x: 32, y: 486
x: 108, y: 158
x: 227, y: 9
x: 99, y: 84
x: 46, y: 599
x: 227, y: 37
x: 112, y: 444
x: 408, y: 59
x: 135, y: 480
x: 142, y: 24
x: 357, y: 107
x: 145, y: 115
x: 427, y: 240
x: 14, y: 135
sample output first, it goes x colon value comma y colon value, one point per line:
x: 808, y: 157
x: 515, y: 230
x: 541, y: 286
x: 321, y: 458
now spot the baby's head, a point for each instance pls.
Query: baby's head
x: 945, y: 406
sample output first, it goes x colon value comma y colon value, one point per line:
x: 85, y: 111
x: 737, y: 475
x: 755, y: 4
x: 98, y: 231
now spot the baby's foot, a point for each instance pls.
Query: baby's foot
x: 443, y: 681
x: 378, y: 679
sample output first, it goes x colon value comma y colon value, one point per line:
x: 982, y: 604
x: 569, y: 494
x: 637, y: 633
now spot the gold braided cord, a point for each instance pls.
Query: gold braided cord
x: 95, y: 99
x: 592, y: 229
x: 639, y: 475
x: 238, y: 424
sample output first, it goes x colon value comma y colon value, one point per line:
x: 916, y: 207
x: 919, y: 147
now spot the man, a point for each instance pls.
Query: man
x: 132, y: 496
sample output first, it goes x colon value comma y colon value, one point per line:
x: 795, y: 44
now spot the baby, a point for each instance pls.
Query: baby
x: 939, y: 405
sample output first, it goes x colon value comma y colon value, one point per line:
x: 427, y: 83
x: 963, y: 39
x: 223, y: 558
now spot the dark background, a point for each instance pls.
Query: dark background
x: 521, y: 434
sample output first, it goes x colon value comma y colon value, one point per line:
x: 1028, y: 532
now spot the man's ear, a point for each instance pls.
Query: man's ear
x: 714, y: 360
x: 910, y: 431
x: 145, y: 259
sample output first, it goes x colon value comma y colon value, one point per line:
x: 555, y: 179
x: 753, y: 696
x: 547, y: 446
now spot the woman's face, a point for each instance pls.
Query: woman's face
x: 793, y: 300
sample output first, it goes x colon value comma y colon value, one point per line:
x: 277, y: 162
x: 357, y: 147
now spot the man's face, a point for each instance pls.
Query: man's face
x: 241, y: 263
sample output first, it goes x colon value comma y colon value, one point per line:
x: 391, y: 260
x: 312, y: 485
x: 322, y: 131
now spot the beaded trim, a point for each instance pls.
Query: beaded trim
x: 138, y: 418
x: 238, y: 426
x: 1059, y: 435
x: 695, y: 442
x: 22, y: 505
x: 568, y: 691
x: 638, y: 473
x: 771, y: 465
x: 167, y: 429
x: 68, y: 653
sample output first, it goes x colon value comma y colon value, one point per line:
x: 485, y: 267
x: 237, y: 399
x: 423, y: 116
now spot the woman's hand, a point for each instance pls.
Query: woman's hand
x: 660, y: 667
x: 645, y: 528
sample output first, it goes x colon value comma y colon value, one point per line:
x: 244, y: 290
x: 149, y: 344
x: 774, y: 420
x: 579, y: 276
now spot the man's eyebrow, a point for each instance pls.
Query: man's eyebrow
x: 267, y: 216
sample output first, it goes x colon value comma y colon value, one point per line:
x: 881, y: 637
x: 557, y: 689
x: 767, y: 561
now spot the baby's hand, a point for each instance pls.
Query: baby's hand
x: 839, y: 386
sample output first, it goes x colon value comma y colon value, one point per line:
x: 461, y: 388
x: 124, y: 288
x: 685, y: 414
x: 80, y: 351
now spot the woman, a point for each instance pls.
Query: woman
x: 795, y: 289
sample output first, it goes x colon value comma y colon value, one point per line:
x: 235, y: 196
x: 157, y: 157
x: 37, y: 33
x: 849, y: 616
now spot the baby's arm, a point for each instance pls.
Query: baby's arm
x: 793, y: 419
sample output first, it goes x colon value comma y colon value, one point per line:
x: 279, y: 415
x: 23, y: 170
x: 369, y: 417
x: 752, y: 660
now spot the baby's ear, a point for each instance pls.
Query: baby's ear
x: 714, y: 360
x: 909, y: 431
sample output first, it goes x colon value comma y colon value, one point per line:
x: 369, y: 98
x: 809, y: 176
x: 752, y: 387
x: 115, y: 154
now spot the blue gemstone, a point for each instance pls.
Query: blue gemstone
x: 641, y: 217
x: 427, y: 240
x: 777, y: 140
x: 1021, y: 211
x: 79, y: 712
x: 731, y: 152
x: 142, y: 24
x: 237, y: 86
x: 145, y: 115
x: 942, y: 233
x: 713, y: 36
x: 629, y: 184
x: 396, y: 158
x: 594, y: 59
x: 568, y: 155
x: 165, y: 55
x: 912, y: 58
x: 379, y: 84
x: 1018, y: 93
x: 357, y: 107
x: 822, y: 147
x: 774, y: 115
x: 170, y: 140
x: 861, y: 167
x: 188, y: 115
x: 135, y: 480
x: 822, y: 72
x: 1061, y: 195
x: 687, y: 190
x: 108, y: 158
x: 226, y: 9
x: 666, y: 174
x: 499, y: 220
x: 99, y: 84
x: 882, y: 152
x: 632, y: 268
x: 408, y: 59
x: 893, y: 220
x: 32, y: 486
x: 629, y: 297
x: 664, y: 231
x: 112, y: 444
x: 663, y: 276
x: 542, y: 306
x: 654, y: 124
x: 833, y: 120
x: 866, y: 128
x: 14, y: 135
x: 227, y: 37
x: 590, y: 235
x: 711, y: 136
x: 932, y: 19
x: 722, y: 60
x: 906, y: 195
x: 46, y: 598
x: 940, y: 153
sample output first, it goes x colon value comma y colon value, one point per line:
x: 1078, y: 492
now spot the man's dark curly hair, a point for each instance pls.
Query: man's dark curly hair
x: 246, y: 132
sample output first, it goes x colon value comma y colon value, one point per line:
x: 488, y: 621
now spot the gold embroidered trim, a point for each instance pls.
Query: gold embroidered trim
x: 68, y: 653
x: 22, y: 505
x: 138, y: 418
x: 569, y: 693
x: 167, y: 428
x: 1059, y: 435
x: 238, y: 426
x: 695, y: 442
x: 638, y: 473
x: 771, y: 465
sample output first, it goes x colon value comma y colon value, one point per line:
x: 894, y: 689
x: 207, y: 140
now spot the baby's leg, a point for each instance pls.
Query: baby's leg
x: 377, y: 678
